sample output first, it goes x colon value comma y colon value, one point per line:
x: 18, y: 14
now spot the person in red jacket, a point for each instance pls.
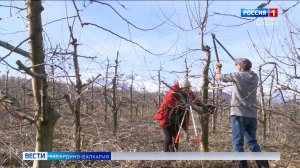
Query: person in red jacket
x: 173, y: 108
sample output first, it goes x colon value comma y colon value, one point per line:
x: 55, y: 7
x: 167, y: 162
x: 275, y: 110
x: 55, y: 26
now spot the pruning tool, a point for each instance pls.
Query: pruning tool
x: 177, y: 136
x: 194, y: 126
x: 215, y: 39
x: 195, y: 129
x: 218, y: 64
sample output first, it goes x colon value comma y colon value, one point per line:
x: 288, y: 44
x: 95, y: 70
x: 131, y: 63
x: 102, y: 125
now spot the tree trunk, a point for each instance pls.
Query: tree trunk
x: 269, y: 106
x: 159, y: 88
x: 114, y: 101
x: 131, y: 96
x: 105, y: 92
x: 214, y: 118
x: 262, y: 106
x: 92, y: 97
x: 76, y: 121
x: 136, y: 110
x: 45, y: 115
x: 144, y: 101
x: 53, y: 79
x: 204, y: 119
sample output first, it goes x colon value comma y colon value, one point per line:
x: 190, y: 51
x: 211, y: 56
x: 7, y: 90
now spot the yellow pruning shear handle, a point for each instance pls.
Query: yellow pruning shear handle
x: 218, y: 65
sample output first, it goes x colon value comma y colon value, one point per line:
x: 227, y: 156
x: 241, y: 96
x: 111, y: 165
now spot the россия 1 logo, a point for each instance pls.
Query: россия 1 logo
x: 259, y: 12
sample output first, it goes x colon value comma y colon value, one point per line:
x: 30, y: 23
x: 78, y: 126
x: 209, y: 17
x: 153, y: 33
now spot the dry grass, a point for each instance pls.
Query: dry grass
x: 139, y: 134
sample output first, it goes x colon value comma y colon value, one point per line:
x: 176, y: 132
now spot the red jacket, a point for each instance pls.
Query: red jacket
x: 170, y: 101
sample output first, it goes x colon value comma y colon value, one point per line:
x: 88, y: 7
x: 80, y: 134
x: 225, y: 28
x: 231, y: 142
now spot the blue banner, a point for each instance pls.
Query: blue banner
x: 255, y: 12
x: 151, y: 156
x: 66, y: 155
x: 79, y: 155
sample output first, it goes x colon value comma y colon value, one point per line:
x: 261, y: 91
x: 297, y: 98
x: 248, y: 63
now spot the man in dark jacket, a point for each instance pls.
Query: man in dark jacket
x: 243, y: 108
x: 173, y: 110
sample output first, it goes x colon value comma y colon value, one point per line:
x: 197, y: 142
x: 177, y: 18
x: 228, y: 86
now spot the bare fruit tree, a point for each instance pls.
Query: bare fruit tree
x: 201, y: 22
x: 45, y: 116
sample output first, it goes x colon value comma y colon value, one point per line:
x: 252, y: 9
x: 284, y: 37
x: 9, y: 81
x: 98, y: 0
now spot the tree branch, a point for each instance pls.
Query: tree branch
x: 126, y: 20
x: 18, y: 111
x: 28, y: 71
x: 91, y: 81
x: 133, y: 42
x: 282, y: 87
x: 14, y: 49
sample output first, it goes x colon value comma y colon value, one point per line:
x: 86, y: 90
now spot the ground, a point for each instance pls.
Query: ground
x: 139, y: 134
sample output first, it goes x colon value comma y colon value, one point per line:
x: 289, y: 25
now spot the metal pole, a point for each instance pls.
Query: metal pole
x: 177, y: 136
x: 194, y: 125
x: 216, y: 51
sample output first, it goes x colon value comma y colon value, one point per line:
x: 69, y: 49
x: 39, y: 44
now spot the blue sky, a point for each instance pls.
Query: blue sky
x: 166, y: 38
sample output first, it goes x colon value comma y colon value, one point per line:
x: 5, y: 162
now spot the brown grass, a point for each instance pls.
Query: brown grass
x: 139, y: 134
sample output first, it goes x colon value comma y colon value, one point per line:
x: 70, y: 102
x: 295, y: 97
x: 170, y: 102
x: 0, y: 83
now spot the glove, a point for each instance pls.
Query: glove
x: 218, y: 68
x: 218, y: 65
x: 211, y: 108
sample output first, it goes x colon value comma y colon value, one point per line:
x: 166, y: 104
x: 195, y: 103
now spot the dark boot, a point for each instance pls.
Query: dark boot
x: 262, y: 163
x: 242, y: 163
